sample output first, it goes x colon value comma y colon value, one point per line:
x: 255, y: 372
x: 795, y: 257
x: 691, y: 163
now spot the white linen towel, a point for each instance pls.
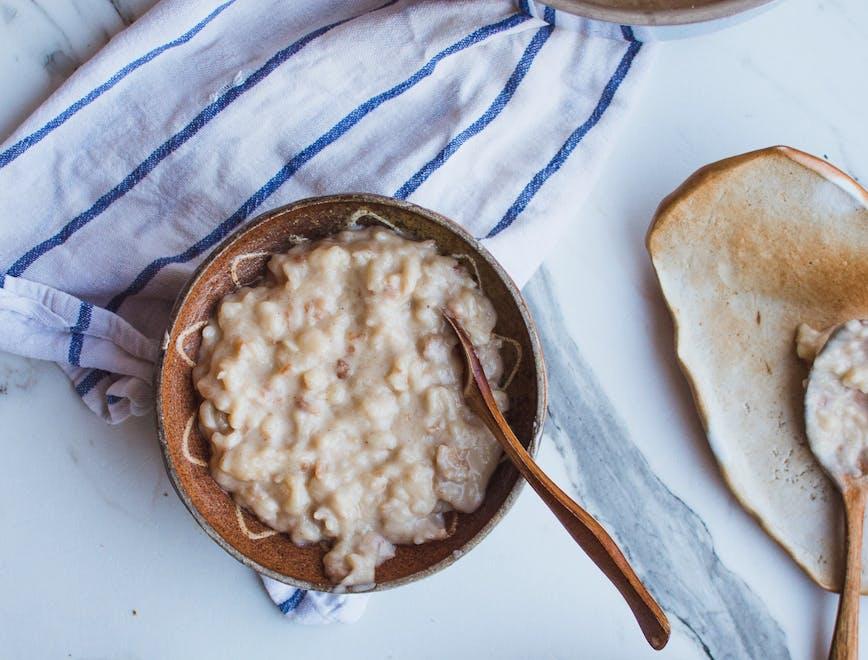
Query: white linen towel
x: 203, y: 114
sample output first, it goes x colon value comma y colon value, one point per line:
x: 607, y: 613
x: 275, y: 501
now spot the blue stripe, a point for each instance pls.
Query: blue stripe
x: 87, y: 383
x: 2, y: 280
x: 82, y: 324
x: 292, y: 166
x: 572, y: 141
x: 24, y: 144
x: 161, y: 152
x: 627, y: 32
x: 292, y: 602
x: 111, y: 399
x: 549, y: 15
x: 484, y: 120
x: 524, y: 6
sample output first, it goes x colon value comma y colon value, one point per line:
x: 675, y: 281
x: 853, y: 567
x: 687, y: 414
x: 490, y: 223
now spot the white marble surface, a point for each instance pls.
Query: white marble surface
x: 99, y: 559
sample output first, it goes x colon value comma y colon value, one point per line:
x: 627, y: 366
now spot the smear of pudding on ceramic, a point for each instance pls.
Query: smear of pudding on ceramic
x: 332, y: 397
x: 836, y: 400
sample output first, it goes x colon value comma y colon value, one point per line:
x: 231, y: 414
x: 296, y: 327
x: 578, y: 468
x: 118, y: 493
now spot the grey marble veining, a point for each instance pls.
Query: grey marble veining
x: 8, y: 14
x: 123, y: 12
x: 664, y: 539
x: 43, y: 42
x: 127, y: 10
x: 48, y: 17
x: 16, y: 373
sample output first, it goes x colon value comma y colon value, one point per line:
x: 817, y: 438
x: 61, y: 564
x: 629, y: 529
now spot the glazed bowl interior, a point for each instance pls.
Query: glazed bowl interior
x: 240, y: 260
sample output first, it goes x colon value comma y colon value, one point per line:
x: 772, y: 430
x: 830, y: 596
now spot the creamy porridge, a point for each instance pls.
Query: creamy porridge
x: 836, y: 402
x: 332, y: 396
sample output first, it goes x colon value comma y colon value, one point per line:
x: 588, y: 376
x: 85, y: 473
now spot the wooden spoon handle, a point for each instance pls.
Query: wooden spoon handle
x: 588, y: 533
x: 845, y: 641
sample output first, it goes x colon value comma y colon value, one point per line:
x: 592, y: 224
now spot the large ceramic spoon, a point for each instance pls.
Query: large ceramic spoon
x: 836, y: 421
x: 587, y: 532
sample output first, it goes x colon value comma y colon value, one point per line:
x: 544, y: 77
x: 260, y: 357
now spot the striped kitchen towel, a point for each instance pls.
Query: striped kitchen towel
x: 203, y: 114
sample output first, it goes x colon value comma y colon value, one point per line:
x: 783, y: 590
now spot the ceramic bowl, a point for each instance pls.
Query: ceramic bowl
x: 746, y: 250
x: 656, y: 12
x: 240, y: 260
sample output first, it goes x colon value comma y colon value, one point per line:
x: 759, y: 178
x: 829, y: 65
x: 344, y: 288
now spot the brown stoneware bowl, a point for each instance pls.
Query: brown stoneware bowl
x: 241, y: 259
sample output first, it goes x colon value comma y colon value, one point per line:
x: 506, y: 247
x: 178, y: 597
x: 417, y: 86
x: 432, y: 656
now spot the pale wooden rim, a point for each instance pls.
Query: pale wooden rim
x: 656, y: 17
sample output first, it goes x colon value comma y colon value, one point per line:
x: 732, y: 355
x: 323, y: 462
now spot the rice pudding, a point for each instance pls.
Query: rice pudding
x: 836, y: 402
x: 332, y: 396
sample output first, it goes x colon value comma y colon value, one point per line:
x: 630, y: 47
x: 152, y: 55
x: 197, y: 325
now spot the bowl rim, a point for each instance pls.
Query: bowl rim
x: 481, y: 251
x: 657, y: 17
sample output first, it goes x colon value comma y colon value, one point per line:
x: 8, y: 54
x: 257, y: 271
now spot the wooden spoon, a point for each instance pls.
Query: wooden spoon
x: 851, y: 480
x: 587, y: 532
x: 845, y: 641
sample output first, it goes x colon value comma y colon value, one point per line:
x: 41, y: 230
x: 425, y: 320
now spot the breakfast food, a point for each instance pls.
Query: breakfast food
x: 836, y: 402
x: 332, y: 396
x: 746, y: 250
